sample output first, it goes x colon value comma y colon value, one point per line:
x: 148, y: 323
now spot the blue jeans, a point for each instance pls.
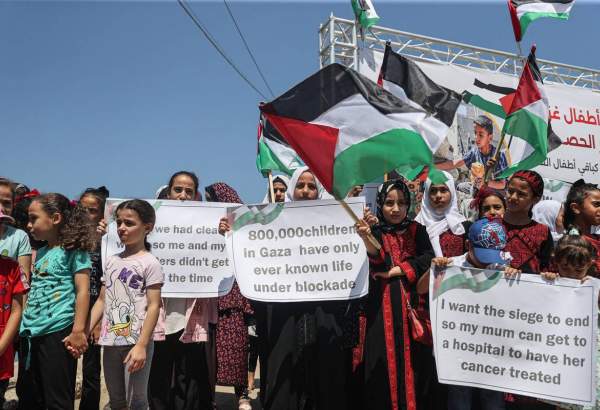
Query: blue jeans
x: 463, y: 398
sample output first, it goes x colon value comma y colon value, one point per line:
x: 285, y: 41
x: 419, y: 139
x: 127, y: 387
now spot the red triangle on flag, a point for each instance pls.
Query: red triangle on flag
x: 507, y: 102
x: 527, y: 91
x: 314, y: 143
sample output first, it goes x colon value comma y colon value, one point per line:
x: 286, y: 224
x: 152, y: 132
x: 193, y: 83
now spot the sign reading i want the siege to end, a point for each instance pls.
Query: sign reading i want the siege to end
x: 298, y: 251
x: 524, y: 336
x: 186, y: 241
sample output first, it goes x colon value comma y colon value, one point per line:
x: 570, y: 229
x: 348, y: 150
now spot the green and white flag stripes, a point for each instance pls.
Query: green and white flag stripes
x: 365, y: 13
x: 274, y: 153
x: 257, y: 214
x: 349, y: 131
x: 523, y: 12
x: 528, y: 117
x: 477, y: 280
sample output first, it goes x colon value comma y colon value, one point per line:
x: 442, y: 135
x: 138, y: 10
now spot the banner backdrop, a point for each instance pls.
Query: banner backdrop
x: 298, y: 251
x: 575, y: 114
x: 186, y: 241
x: 523, y: 336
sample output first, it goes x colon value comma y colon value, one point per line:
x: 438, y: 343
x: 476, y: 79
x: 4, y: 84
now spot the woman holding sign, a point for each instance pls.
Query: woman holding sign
x: 183, y: 372
x: 389, y: 364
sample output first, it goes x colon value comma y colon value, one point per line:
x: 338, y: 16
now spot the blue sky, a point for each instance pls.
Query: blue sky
x: 125, y: 93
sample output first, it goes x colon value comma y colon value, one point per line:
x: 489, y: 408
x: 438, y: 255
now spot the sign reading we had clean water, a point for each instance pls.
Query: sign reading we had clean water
x: 187, y: 243
x: 524, y: 336
x: 298, y: 251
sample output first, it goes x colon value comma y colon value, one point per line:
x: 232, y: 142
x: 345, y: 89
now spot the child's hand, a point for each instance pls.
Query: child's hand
x: 549, y: 276
x: 395, y: 271
x: 224, y: 226
x: 511, y: 272
x: 76, y: 343
x: 101, y: 228
x: 362, y: 228
x: 369, y: 217
x: 441, y: 262
x: 136, y: 358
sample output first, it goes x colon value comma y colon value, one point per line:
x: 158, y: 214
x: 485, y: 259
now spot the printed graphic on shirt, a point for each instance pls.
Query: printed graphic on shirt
x: 121, y: 313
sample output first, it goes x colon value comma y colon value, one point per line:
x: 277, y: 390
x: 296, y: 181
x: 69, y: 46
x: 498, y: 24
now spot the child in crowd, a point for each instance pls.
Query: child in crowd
x: 581, y: 212
x: 13, y: 285
x: 574, y: 258
x: 487, y: 239
x: 489, y: 203
x: 529, y: 242
x: 14, y: 243
x: 57, y: 306
x: 405, y: 256
x: 129, y: 304
x: 93, y: 201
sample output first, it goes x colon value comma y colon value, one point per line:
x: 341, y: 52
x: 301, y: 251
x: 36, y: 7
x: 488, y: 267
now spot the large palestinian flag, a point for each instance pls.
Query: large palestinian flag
x: 274, y: 153
x: 523, y: 12
x: 527, y: 117
x: 349, y: 131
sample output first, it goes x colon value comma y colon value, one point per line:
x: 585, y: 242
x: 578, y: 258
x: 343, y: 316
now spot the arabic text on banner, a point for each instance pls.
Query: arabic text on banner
x: 298, y: 251
x: 523, y: 336
x: 186, y: 241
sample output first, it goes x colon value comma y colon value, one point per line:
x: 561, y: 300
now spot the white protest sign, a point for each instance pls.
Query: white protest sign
x: 186, y: 241
x: 524, y: 336
x: 298, y: 251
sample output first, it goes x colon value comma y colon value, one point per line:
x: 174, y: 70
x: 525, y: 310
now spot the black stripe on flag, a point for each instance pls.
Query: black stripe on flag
x: 535, y: 70
x: 439, y: 101
x: 327, y: 88
x: 269, y: 132
x: 493, y: 87
x: 518, y: 3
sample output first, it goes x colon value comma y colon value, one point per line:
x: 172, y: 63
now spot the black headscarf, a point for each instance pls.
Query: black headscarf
x: 382, y: 192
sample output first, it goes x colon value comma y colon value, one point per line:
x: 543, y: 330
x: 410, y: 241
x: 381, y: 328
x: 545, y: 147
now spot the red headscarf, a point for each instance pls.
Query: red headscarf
x: 221, y: 192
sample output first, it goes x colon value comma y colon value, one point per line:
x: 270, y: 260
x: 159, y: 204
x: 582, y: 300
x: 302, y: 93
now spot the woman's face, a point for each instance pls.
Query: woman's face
x: 519, y: 196
x: 306, y: 187
x: 394, y: 207
x: 183, y: 188
x: 440, y: 197
x: 491, y: 207
x: 279, y: 189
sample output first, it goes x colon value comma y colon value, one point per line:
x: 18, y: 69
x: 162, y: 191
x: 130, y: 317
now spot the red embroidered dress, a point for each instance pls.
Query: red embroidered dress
x: 594, y: 239
x: 389, y: 378
x: 530, y: 246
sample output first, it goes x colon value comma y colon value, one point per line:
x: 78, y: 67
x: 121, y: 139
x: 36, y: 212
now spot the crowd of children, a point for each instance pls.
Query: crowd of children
x: 59, y: 304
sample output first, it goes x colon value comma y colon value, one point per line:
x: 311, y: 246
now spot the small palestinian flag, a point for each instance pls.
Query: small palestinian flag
x: 523, y: 12
x: 274, y: 153
x: 527, y: 117
x: 365, y: 13
x: 349, y: 131
x: 456, y: 277
x: 249, y: 215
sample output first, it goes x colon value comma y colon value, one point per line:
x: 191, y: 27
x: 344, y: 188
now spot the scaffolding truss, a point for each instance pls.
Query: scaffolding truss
x: 339, y: 38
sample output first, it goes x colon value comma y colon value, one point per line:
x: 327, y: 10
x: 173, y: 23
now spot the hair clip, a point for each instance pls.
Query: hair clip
x: 574, y: 232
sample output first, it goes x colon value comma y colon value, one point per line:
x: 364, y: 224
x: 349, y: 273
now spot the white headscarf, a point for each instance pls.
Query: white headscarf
x: 276, y: 178
x: 289, y: 194
x: 546, y: 212
x: 437, y: 222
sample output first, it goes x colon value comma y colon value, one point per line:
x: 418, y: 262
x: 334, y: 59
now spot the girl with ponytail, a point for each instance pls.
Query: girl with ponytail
x: 129, y: 304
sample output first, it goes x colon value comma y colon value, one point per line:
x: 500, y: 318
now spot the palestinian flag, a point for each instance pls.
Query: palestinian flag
x: 527, y: 117
x: 457, y: 277
x: 274, y: 153
x: 403, y: 78
x: 349, y: 131
x: 523, y: 12
x: 249, y: 215
x: 365, y: 13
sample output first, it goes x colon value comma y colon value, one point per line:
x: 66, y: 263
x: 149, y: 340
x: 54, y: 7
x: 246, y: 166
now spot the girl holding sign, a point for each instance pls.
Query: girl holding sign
x: 183, y: 373
x: 529, y: 242
x: 582, y: 211
x: 389, y: 369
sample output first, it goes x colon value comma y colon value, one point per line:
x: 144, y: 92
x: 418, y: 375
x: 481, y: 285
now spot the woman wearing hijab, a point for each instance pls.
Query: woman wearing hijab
x: 389, y: 358
x: 307, y: 364
x: 232, y: 330
x: 280, y: 185
x: 550, y: 213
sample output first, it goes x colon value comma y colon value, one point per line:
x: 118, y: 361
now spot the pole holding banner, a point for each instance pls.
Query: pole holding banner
x: 356, y: 219
x: 496, y: 156
x: 271, y: 190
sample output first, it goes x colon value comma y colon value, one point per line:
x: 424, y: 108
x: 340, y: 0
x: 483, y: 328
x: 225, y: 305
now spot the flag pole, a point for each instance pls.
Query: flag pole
x: 496, y: 156
x: 356, y: 219
x: 271, y: 190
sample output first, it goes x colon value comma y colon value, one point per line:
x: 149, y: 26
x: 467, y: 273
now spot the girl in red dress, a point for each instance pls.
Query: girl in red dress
x: 530, y: 243
x: 390, y: 369
x: 582, y: 211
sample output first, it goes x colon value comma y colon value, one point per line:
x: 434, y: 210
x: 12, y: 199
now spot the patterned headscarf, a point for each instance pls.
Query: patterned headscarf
x: 382, y: 192
x: 535, y: 181
x: 221, y: 192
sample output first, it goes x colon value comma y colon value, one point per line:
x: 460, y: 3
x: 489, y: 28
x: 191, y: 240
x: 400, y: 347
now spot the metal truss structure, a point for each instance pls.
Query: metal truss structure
x: 339, y: 39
